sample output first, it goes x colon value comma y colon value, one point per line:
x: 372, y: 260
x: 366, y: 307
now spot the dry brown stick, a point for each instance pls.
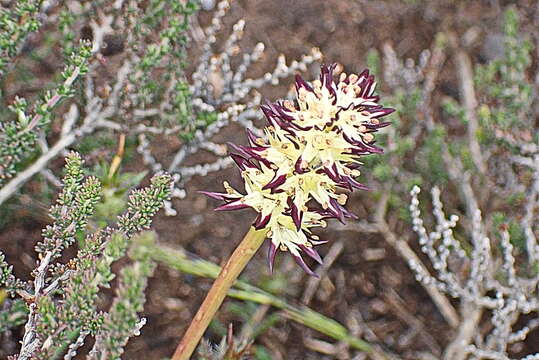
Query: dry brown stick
x: 403, y: 249
x: 399, y: 308
x: 378, y: 353
x: 313, y: 282
x: 471, y: 315
x: 437, y: 59
x: 467, y: 92
x: 440, y: 300
x: 320, y: 346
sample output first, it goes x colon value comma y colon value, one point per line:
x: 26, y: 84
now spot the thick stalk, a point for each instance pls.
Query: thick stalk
x: 229, y: 273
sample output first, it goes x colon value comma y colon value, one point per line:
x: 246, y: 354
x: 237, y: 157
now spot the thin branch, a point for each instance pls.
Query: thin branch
x: 440, y: 300
x: 313, y: 282
x: 467, y: 92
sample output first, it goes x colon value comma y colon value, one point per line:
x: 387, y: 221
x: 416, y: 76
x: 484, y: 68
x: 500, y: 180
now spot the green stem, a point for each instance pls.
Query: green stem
x: 179, y: 260
x: 215, y: 297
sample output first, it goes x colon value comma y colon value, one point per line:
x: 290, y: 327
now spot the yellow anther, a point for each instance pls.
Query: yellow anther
x: 288, y: 104
x: 228, y: 188
x: 368, y: 137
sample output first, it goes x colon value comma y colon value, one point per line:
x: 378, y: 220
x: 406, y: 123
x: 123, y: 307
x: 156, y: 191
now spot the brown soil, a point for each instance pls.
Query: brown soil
x: 344, y: 31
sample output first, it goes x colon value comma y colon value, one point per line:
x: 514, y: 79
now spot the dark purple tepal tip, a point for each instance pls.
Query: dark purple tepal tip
x: 215, y: 195
x: 297, y: 216
x: 300, y: 83
x: 297, y: 166
x: 312, y: 253
x: 242, y: 162
x: 326, y: 77
x: 300, y: 262
x: 279, y: 180
x: 234, y: 205
x: 381, y: 112
x: 261, y: 221
x: 252, y: 138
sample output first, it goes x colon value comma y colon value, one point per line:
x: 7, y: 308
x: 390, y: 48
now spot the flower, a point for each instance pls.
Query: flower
x: 310, y: 152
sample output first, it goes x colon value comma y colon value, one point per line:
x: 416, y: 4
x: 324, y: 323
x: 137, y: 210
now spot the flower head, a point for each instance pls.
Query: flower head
x: 294, y: 176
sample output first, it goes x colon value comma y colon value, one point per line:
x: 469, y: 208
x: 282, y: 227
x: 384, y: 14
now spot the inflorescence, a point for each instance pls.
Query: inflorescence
x: 295, y: 175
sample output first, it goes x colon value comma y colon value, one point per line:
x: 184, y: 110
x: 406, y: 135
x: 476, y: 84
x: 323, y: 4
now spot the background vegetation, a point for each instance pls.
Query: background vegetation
x: 112, y: 110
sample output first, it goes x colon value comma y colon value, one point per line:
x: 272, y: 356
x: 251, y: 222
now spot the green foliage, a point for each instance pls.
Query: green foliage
x: 122, y: 321
x: 143, y: 205
x: 507, y: 89
x: 95, y: 143
x: 155, y: 34
x: 516, y: 233
x: 15, y: 25
x: 406, y: 105
x: 431, y: 163
x: 12, y: 315
x: 373, y: 62
x: 66, y: 20
x: 115, y: 187
x: 18, y: 137
x: 244, y: 291
x: 67, y: 302
x: 166, y: 51
x: 171, y: 18
x: 455, y: 110
x: 382, y: 171
x: 8, y: 281
x: 91, y: 268
x: 261, y: 353
x: 75, y: 204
